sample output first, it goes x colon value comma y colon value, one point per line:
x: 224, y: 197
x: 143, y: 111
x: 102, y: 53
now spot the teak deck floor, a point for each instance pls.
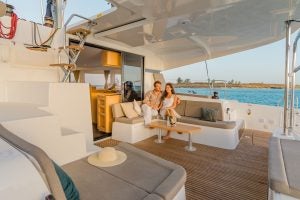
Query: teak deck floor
x: 214, y: 173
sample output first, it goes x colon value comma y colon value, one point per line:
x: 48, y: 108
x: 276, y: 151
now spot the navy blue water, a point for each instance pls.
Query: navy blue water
x: 272, y: 97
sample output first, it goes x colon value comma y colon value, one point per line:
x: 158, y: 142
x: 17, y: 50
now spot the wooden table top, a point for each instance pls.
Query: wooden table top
x: 181, y: 128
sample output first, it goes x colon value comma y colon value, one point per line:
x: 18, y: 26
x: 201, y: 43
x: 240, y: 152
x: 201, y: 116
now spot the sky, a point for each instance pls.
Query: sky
x: 264, y: 64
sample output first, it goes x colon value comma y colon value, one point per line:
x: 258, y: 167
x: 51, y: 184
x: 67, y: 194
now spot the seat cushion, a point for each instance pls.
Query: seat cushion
x: 193, y: 109
x: 94, y: 183
x: 135, y: 120
x: 217, y: 124
x: 140, y: 175
x: 150, y: 172
x: 284, y: 162
x: 126, y: 120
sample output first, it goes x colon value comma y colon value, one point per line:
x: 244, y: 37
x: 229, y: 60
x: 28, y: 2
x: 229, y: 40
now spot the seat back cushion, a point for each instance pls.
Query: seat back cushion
x: 128, y: 110
x: 193, y: 109
x: 180, y: 108
x: 117, y: 110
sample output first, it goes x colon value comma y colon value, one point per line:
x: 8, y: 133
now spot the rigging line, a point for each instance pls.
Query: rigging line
x: 37, y: 31
x: 208, y: 79
x: 51, y: 37
x: 34, y: 33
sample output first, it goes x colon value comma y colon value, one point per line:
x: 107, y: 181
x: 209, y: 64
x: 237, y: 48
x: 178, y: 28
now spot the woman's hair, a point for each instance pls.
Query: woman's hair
x: 164, y: 95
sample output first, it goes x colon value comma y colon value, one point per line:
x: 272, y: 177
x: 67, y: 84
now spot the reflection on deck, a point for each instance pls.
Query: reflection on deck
x: 214, y: 173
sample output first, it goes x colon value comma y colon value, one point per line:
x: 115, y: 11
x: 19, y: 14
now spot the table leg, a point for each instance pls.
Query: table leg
x: 159, y: 140
x: 190, y: 144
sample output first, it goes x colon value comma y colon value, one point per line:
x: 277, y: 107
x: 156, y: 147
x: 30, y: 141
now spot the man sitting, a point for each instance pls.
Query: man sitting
x: 151, y: 103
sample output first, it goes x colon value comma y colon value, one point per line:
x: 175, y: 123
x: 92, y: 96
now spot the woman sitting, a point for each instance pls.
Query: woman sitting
x: 169, y: 102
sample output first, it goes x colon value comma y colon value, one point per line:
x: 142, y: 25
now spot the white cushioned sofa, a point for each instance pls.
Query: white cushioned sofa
x: 219, y: 133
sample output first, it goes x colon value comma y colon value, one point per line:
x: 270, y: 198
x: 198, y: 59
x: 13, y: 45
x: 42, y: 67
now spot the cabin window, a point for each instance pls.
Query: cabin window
x: 97, y: 80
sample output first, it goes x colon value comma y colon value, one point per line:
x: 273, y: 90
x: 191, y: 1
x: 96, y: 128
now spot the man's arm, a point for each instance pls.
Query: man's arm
x: 147, y: 99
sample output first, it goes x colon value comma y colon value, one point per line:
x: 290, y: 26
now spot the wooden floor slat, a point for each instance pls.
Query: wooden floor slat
x: 218, y: 174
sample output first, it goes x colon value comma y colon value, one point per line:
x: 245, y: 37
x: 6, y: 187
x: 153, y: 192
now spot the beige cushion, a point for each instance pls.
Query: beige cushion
x: 180, y: 108
x: 193, y: 108
x: 134, y: 120
x: 137, y: 107
x: 117, y: 110
x: 284, y: 162
x: 126, y: 120
x: 129, y: 110
x: 141, y: 176
x: 217, y: 124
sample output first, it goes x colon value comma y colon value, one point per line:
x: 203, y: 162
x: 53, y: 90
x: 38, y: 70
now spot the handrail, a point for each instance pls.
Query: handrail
x: 286, y: 76
x: 293, y: 81
x: 220, y: 81
x: 69, y: 20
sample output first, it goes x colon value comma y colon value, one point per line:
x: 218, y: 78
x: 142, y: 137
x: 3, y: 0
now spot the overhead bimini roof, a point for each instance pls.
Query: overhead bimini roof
x: 182, y: 32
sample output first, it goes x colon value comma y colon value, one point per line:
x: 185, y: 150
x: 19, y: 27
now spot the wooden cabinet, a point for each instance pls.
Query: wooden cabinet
x: 104, y: 113
x: 110, y: 58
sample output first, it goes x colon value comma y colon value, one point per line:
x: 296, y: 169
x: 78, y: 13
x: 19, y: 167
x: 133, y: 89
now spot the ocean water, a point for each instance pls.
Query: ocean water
x: 271, y: 97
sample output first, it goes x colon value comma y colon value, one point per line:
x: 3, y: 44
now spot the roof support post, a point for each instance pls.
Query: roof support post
x: 287, y: 78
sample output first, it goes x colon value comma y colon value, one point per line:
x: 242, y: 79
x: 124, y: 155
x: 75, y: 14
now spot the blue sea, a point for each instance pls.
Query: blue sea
x: 271, y: 97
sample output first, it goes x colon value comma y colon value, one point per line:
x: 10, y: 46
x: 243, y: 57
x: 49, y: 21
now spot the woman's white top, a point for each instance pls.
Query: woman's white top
x: 168, y: 102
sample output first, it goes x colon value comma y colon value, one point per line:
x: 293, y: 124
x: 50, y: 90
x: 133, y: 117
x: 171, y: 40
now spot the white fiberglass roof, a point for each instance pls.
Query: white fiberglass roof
x: 181, y: 32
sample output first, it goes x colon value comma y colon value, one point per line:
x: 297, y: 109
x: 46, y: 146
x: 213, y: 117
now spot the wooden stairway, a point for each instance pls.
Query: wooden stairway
x: 73, y: 51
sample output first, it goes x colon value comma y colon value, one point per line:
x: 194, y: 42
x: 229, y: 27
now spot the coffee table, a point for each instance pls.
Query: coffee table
x: 179, y: 128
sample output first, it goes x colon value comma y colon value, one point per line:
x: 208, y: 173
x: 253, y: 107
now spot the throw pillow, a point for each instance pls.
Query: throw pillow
x: 67, y: 184
x: 208, y: 114
x: 129, y: 110
x: 137, y: 108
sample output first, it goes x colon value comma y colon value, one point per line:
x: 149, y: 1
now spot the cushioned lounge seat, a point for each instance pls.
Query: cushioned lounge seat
x: 141, y: 175
x: 217, y: 124
x: 41, y: 157
x: 284, y: 162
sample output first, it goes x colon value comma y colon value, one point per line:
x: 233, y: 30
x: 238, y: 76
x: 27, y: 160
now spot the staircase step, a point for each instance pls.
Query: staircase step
x: 62, y: 65
x: 74, y: 47
x: 38, y: 48
x: 81, y: 30
x: 11, y: 111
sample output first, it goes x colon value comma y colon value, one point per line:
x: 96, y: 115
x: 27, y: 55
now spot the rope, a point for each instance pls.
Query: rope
x: 208, y: 79
x: 12, y: 30
x: 36, y: 31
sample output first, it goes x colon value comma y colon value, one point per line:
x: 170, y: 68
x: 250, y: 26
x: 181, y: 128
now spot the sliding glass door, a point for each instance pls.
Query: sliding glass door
x: 132, y: 77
